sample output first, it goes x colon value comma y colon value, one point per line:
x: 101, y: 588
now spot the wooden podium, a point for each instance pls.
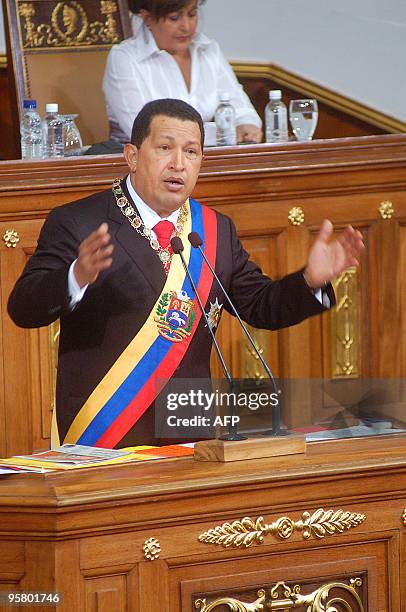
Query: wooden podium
x: 175, y: 534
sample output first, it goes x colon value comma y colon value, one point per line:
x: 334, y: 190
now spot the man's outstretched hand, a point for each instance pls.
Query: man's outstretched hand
x: 328, y: 259
x: 94, y: 256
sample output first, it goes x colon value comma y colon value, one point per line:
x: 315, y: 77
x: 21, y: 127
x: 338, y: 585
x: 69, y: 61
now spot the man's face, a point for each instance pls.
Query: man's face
x: 165, y: 168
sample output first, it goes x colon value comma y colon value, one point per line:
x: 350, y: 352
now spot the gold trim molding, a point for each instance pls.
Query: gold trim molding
x: 3, y: 60
x: 404, y: 517
x: 248, y: 532
x: 313, y: 90
x: 283, y: 597
x: 344, y: 326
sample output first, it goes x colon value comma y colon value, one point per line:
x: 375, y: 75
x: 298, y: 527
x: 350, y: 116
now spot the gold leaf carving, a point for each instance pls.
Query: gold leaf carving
x: 69, y: 26
x: 27, y: 11
x: 286, y: 598
x: 234, y: 604
x: 344, y: 326
x: 250, y: 363
x: 404, y: 517
x: 248, y: 532
x: 327, y: 522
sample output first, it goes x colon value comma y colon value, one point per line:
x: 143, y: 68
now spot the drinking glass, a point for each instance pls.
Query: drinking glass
x: 303, y: 115
x: 72, y: 137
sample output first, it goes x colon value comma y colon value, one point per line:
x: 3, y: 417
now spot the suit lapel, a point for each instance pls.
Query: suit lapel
x: 137, y: 247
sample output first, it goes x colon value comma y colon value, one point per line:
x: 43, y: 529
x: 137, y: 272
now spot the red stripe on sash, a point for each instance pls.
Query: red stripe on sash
x: 144, y: 398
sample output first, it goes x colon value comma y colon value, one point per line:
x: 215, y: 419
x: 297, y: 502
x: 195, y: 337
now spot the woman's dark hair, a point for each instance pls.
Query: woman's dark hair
x: 159, y: 8
x: 169, y: 107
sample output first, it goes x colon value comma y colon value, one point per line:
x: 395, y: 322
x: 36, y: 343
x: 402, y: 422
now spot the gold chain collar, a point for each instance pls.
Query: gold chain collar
x: 129, y: 212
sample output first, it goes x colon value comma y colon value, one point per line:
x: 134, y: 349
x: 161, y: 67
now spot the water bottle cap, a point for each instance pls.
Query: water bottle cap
x: 30, y: 104
x: 224, y: 96
x: 275, y: 94
x: 51, y: 108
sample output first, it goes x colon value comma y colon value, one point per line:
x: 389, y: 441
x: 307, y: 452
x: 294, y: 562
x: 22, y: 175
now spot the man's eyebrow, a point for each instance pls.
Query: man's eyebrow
x: 172, y: 139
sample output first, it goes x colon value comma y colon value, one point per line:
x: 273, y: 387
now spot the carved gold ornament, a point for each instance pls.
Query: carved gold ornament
x: 234, y: 604
x: 286, y: 598
x: 404, y: 517
x: 11, y: 238
x: 152, y: 549
x: 247, y: 532
x: 69, y: 26
x: 296, y: 215
x: 283, y: 597
x: 386, y: 209
x: 345, y: 326
x: 250, y: 363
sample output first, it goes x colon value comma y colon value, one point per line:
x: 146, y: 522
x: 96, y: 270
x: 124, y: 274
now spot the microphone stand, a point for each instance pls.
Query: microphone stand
x: 196, y: 241
x: 233, y: 435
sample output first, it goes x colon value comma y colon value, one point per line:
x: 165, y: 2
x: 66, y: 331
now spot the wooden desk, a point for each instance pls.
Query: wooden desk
x: 91, y: 535
x: 278, y: 197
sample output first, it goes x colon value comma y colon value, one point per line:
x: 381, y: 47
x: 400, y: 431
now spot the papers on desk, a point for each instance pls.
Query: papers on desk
x: 74, y: 456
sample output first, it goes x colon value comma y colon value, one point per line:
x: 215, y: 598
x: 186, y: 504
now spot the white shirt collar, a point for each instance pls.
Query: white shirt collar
x: 146, y: 45
x: 149, y: 216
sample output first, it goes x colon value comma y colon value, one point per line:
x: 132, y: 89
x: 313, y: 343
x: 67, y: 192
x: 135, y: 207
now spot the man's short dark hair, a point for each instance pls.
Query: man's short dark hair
x: 169, y: 107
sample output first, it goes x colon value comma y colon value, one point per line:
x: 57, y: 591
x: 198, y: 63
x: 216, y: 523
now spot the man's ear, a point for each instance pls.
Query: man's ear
x: 131, y: 156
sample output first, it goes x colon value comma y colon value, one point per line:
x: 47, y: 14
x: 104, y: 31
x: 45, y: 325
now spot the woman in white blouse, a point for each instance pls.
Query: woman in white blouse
x: 168, y: 58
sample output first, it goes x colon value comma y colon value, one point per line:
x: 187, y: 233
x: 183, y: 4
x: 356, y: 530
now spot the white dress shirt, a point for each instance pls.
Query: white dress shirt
x: 149, y: 218
x: 137, y: 71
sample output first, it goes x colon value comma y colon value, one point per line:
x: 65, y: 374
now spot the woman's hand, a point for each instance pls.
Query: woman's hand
x: 250, y: 133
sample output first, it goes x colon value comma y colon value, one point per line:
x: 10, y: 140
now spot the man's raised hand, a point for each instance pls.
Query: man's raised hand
x: 94, y: 256
x: 328, y: 259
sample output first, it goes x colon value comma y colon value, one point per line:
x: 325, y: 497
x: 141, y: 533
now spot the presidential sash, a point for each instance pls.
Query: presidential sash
x: 139, y: 374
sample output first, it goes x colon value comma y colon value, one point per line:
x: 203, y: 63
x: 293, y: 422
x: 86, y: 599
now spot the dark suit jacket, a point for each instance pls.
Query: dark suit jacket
x: 115, y: 307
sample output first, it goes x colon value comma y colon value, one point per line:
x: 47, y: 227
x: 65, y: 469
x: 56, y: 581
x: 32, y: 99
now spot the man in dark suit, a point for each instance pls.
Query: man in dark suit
x: 128, y: 317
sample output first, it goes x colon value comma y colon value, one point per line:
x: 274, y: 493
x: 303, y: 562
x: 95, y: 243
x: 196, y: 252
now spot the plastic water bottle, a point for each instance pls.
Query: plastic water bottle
x: 276, y: 118
x: 52, y: 129
x: 30, y: 131
x: 226, y: 131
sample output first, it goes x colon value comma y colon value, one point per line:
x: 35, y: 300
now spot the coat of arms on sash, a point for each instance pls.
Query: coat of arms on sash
x: 175, y: 314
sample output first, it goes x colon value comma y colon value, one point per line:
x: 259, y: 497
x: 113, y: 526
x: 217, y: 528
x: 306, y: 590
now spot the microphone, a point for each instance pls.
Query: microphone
x: 196, y: 242
x: 177, y: 248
